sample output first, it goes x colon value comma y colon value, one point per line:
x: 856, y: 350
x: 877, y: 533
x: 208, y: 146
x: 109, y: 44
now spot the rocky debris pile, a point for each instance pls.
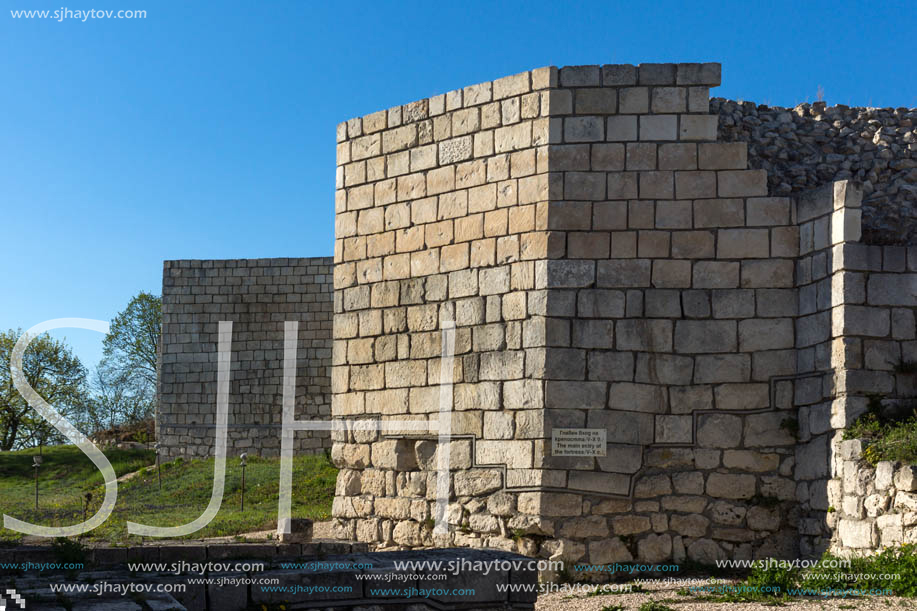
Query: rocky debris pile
x: 812, y: 144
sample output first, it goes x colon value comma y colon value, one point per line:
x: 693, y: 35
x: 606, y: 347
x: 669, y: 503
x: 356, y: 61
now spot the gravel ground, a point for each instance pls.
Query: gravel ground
x: 666, y: 594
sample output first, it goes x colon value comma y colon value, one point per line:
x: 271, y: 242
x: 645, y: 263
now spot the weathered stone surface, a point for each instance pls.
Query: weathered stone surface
x: 654, y: 548
x: 705, y: 551
x: 730, y: 486
x: 857, y: 534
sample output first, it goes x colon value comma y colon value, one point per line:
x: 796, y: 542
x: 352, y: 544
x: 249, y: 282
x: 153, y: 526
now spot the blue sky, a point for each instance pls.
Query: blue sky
x: 207, y: 129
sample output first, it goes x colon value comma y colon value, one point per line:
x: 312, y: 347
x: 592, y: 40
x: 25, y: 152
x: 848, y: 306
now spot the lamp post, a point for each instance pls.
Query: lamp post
x: 243, y: 456
x: 88, y: 496
x: 156, y: 447
x: 36, y: 462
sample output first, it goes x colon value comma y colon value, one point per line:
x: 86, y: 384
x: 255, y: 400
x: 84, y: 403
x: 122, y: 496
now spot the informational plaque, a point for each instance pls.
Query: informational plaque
x: 578, y: 442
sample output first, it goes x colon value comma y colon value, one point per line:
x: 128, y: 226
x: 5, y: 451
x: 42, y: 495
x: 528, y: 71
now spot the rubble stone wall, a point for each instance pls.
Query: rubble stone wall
x: 812, y: 144
x: 877, y: 504
x: 258, y: 296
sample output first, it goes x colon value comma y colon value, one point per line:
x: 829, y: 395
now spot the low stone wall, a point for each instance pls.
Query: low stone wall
x: 878, y: 504
x: 258, y: 296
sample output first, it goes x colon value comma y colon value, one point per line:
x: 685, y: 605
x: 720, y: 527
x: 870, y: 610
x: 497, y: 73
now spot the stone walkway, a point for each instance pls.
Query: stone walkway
x: 307, y: 579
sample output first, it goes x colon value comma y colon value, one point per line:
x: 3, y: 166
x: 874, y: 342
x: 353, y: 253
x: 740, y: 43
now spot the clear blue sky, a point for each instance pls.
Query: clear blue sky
x: 207, y: 130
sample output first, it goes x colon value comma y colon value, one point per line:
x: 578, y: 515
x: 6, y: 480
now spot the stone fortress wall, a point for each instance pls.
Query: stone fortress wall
x: 258, y: 295
x: 618, y: 252
x: 608, y: 264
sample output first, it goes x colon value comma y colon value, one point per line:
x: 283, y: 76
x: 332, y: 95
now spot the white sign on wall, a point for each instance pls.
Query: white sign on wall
x: 578, y: 442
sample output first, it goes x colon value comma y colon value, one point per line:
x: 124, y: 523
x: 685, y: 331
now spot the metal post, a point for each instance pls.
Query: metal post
x: 36, y: 462
x: 158, y: 464
x: 243, y: 456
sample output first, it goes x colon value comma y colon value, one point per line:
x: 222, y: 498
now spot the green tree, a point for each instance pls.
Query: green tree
x: 55, y: 373
x: 118, y: 398
x: 124, y: 385
x: 132, y: 343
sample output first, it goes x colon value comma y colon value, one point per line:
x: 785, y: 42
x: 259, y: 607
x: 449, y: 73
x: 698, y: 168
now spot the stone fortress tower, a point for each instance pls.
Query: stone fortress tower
x: 613, y: 271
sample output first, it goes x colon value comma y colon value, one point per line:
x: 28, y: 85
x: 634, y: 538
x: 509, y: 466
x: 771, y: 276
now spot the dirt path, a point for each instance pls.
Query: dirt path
x: 667, y: 594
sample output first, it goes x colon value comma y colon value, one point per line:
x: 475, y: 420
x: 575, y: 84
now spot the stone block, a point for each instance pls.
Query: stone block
x: 650, y: 486
x: 574, y: 395
x: 719, y: 213
x: 671, y: 274
x: 623, y: 273
x: 680, y: 156
x: 776, y: 273
x: 906, y: 478
x: 658, y: 127
x: 767, y: 429
x: 722, y: 156
x: 698, y: 127
x: 584, y: 129
x: 766, y: 334
x: 623, y: 427
x: 743, y: 244
x: 695, y: 185
x: 892, y: 289
x: 689, y: 525
x: 656, y: 74
x: 395, y: 454
x: 609, y: 552
x: 674, y: 429
x: 742, y: 183
x: 595, y: 101
x: 705, y: 336
x: 698, y: 74
x: 655, y: 548
x: 580, y: 76
x: 719, y: 431
x: 856, y: 533
x: 621, y: 128
x: 637, y: 397
x: 645, y: 335
x: 715, y: 274
x: 669, y: 100
x: 592, y: 481
x: 668, y: 369
x: 741, y: 397
x: 614, y: 75
x: 730, y: 486
x: 885, y: 471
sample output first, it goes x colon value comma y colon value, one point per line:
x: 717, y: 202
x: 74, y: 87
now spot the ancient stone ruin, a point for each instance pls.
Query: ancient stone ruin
x: 258, y: 295
x: 656, y: 346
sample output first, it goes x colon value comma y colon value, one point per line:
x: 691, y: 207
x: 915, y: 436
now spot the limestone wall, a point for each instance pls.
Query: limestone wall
x: 609, y: 265
x: 258, y: 295
x: 875, y: 297
x: 441, y: 215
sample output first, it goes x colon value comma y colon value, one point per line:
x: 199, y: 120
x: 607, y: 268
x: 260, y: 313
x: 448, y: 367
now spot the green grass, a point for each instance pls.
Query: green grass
x: 885, y: 439
x: 67, y: 474
x: 824, y: 578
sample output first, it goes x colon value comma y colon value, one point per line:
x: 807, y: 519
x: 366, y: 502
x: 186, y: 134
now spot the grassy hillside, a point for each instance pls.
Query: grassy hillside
x: 66, y: 475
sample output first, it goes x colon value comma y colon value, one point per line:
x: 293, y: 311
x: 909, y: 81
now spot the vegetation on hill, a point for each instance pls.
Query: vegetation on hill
x: 66, y: 475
